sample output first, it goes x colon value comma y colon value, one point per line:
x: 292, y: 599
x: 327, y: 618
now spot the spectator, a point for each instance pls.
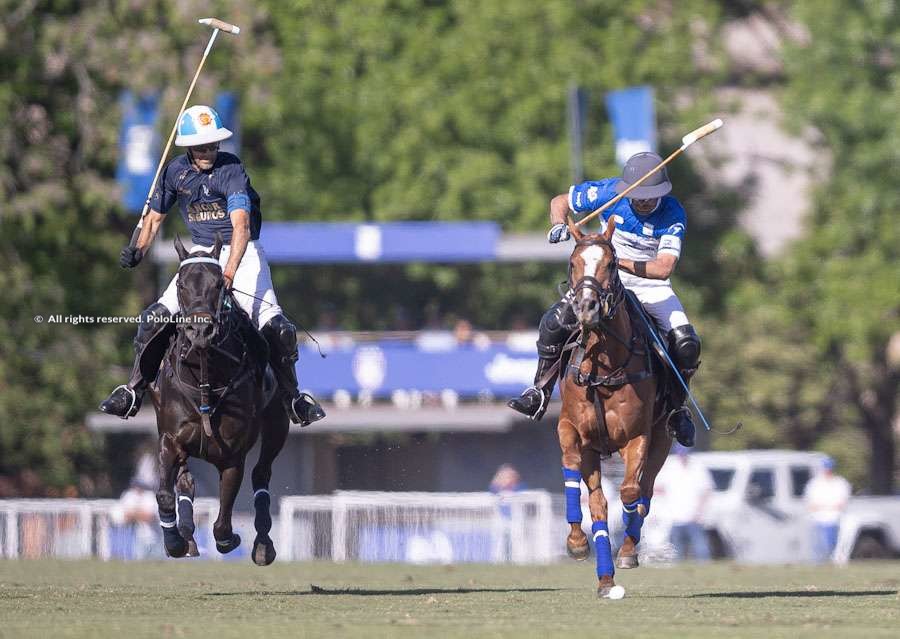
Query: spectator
x: 465, y: 335
x: 505, y: 482
x: 684, y: 485
x: 137, y: 511
x: 826, y: 498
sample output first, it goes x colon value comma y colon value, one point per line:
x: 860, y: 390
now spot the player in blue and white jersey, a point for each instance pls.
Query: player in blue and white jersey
x: 214, y: 194
x: 650, y: 230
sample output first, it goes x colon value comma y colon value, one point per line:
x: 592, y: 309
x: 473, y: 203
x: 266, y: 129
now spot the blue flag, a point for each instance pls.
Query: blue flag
x: 228, y: 108
x: 138, y: 148
x: 634, y: 121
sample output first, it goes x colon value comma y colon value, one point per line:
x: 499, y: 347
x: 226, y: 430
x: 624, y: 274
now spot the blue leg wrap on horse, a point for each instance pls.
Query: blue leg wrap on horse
x: 572, y: 479
x: 600, y: 533
x: 632, y: 519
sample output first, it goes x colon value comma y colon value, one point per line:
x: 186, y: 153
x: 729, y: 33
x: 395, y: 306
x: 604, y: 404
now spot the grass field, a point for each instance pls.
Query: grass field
x: 221, y: 600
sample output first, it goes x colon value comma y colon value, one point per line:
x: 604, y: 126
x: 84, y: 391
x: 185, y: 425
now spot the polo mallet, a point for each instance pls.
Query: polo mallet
x: 686, y: 141
x: 217, y: 25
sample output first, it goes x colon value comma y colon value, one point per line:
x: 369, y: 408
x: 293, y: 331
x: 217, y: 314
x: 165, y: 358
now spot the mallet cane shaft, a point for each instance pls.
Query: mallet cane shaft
x: 686, y: 141
x: 218, y: 25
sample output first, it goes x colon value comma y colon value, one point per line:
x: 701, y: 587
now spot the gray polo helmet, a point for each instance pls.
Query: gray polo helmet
x: 636, y: 167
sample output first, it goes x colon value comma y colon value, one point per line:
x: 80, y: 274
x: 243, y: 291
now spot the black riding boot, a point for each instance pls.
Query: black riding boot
x: 125, y: 400
x: 684, y: 346
x: 281, y: 336
x: 681, y: 424
x: 533, y: 401
x: 551, y: 336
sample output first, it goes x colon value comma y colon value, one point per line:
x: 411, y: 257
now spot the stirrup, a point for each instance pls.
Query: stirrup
x: 538, y: 414
x: 674, y: 433
x: 132, y: 409
x: 313, y: 411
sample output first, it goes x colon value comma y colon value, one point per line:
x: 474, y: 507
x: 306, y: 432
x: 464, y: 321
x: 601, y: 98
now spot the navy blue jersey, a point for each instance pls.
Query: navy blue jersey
x: 207, y: 198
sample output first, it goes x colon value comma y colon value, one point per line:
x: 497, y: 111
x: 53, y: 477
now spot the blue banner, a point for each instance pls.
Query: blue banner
x: 295, y: 242
x: 633, y: 118
x: 228, y: 107
x: 382, y: 368
x: 139, y: 148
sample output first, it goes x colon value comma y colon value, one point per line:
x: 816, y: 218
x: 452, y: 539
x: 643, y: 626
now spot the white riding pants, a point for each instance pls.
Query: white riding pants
x: 252, y: 280
x: 660, y: 301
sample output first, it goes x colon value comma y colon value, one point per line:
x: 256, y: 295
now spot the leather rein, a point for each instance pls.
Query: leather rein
x: 205, y: 399
x: 613, y: 295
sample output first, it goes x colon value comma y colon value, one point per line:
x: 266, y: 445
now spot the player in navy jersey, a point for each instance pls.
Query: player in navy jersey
x: 650, y: 229
x: 214, y: 195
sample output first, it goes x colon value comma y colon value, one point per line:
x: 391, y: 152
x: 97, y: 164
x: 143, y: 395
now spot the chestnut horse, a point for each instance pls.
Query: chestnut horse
x: 609, y: 402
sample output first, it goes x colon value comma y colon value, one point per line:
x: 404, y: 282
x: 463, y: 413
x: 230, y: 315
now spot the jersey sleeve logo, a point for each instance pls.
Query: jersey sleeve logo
x: 676, y: 229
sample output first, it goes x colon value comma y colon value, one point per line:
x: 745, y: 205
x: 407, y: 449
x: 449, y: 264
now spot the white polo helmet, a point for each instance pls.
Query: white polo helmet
x: 200, y: 125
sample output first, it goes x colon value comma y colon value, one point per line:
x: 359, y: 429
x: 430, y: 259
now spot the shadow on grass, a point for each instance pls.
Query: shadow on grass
x: 761, y: 594
x: 362, y: 592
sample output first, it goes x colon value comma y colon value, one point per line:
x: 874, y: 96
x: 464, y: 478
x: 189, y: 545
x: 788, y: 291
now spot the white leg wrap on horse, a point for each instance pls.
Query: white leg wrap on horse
x: 260, y: 492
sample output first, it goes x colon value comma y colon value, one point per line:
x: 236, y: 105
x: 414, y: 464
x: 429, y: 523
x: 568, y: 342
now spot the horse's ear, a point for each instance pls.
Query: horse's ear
x: 217, y: 247
x: 179, y: 248
x: 574, y: 231
x: 610, y: 227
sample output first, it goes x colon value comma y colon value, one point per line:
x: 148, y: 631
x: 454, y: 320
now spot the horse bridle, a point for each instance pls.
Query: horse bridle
x: 196, y: 308
x: 613, y: 294
x: 204, y: 408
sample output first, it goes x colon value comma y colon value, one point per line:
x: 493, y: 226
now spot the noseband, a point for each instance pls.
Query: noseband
x: 613, y: 294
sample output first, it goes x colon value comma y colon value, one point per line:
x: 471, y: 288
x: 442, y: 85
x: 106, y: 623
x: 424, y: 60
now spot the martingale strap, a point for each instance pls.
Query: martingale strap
x: 618, y: 376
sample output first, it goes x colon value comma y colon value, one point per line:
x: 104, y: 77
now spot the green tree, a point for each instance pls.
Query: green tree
x: 843, y: 280
x: 813, y: 364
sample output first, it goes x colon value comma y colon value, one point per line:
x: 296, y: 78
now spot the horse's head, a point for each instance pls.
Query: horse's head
x: 593, y: 276
x: 201, y: 290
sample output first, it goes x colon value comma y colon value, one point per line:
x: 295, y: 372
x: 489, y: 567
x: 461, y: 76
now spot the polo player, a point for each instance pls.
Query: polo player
x: 649, y: 232
x: 214, y: 194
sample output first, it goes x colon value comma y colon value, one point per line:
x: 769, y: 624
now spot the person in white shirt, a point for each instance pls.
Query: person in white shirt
x: 684, y: 486
x: 826, y: 497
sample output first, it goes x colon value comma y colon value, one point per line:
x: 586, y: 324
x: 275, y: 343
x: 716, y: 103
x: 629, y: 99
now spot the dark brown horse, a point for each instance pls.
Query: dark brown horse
x: 214, y: 398
x: 609, y: 403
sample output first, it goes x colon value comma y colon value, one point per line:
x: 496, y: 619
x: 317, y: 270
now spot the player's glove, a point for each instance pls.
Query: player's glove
x: 559, y: 233
x: 130, y: 257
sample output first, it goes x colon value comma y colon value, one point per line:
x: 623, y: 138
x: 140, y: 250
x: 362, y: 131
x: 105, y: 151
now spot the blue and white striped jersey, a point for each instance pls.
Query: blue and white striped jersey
x: 637, y: 237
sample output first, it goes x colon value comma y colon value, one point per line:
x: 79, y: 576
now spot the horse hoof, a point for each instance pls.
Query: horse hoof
x: 263, y: 551
x: 176, y: 546
x: 603, y: 592
x: 192, y: 549
x: 578, y: 553
x: 178, y: 549
x: 228, y: 545
x: 627, y: 561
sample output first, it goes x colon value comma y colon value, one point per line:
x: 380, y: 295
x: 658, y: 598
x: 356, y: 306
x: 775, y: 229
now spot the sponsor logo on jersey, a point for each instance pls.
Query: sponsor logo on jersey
x: 205, y: 190
x: 592, y: 193
x: 206, y: 212
x: 648, y: 229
